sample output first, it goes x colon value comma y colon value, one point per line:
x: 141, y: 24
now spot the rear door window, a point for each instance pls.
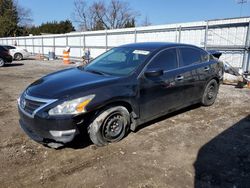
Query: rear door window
x: 189, y: 56
x: 165, y: 60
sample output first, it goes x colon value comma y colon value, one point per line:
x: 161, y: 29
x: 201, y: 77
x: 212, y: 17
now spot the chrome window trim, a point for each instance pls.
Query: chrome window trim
x: 36, y: 99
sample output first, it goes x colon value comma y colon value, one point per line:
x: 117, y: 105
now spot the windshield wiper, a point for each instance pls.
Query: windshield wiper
x: 96, y: 72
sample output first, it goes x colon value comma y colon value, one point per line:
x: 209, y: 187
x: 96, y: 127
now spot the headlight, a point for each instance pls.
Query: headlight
x: 75, y: 106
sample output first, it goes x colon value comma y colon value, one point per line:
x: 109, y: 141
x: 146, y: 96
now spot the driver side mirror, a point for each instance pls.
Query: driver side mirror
x: 153, y: 73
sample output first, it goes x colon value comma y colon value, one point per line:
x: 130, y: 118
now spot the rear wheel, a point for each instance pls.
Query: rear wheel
x: 210, y: 93
x: 109, y: 126
x: 1, y: 62
x: 18, y: 56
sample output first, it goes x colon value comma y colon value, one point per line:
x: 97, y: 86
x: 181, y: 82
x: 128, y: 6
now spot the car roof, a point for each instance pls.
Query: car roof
x: 154, y: 45
x: 9, y: 45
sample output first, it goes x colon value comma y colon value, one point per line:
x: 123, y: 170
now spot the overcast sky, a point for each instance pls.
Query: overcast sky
x: 158, y: 11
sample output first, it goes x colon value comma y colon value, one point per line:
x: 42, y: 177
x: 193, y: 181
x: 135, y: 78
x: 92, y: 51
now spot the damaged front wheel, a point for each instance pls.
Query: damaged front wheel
x: 109, y: 126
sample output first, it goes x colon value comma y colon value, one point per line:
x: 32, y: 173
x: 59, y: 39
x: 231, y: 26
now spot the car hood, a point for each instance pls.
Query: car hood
x: 67, y: 83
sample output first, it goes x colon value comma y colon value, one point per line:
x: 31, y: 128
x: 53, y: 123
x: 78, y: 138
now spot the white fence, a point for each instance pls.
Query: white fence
x: 231, y: 36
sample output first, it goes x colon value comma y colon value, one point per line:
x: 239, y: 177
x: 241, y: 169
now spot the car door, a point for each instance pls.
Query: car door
x: 205, y: 71
x: 193, y: 71
x: 160, y: 90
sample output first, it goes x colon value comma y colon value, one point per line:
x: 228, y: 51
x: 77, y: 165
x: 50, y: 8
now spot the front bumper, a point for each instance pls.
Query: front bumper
x: 48, y: 130
x: 25, y: 55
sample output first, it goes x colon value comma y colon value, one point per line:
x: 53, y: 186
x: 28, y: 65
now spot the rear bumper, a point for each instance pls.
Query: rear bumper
x: 8, y: 59
x: 46, y: 130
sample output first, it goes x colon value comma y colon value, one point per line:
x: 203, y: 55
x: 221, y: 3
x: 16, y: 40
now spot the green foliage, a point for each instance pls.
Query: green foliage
x: 8, y: 18
x: 52, y: 27
x: 10, y: 22
x: 130, y: 23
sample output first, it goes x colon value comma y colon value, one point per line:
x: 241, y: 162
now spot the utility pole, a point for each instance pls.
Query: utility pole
x: 241, y: 2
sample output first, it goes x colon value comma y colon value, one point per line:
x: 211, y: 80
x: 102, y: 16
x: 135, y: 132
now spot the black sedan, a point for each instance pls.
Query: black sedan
x: 119, y: 90
x: 5, y: 56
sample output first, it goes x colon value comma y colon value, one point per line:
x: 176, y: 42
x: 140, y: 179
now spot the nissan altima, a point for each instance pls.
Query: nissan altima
x: 118, y: 91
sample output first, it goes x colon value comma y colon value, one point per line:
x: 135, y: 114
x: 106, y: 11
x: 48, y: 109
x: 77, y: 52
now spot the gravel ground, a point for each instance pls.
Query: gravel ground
x: 194, y: 147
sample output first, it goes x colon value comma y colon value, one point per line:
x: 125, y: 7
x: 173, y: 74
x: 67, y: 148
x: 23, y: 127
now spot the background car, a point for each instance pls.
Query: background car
x: 17, y: 53
x: 5, y: 56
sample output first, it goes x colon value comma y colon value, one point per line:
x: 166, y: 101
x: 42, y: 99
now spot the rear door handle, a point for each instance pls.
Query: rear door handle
x: 206, y: 69
x: 179, y: 78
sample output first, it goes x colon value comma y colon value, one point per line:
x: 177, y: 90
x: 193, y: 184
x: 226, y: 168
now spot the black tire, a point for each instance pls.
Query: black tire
x: 2, y: 63
x: 210, y: 93
x: 109, y: 126
x: 18, y: 56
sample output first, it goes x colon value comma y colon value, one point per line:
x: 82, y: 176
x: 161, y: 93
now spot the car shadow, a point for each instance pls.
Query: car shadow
x: 225, y: 160
x: 13, y: 64
x: 82, y: 140
x: 172, y: 114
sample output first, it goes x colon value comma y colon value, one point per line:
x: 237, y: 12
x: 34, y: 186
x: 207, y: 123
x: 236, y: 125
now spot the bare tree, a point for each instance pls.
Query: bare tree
x: 24, y: 14
x: 98, y: 10
x: 99, y: 15
x: 82, y: 15
x: 117, y: 14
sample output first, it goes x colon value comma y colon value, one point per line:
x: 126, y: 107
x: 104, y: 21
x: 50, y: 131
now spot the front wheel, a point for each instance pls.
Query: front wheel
x: 109, y: 126
x: 210, y: 93
x: 1, y: 62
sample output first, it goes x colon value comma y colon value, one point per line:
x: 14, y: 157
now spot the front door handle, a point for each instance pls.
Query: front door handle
x: 206, y: 69
x: 179, y: 78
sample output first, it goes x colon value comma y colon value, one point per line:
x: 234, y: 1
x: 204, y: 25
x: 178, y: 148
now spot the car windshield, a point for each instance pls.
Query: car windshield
x: 118, y: 61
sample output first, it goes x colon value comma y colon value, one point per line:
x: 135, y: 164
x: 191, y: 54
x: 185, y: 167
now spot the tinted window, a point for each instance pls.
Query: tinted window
x: 190, y: 56
x: 166, y: 60
x: 116, y: 57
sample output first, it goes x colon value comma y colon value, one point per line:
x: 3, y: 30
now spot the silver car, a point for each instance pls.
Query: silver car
x: 17, y: 53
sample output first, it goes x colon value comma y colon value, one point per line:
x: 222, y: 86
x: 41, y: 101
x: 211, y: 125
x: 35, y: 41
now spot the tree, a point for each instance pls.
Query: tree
x: 130, y: 23
x: 52, y: 27
x: 82, y: 15
x: 98, y: 25
x: 14, y: 19
x: 25, y: 20
x: 115, y: 14
x: 24, y: 15
x: 8, y: 18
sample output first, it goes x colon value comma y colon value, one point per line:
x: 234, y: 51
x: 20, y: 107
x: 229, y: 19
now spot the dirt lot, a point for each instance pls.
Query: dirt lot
x: 195, y: 147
